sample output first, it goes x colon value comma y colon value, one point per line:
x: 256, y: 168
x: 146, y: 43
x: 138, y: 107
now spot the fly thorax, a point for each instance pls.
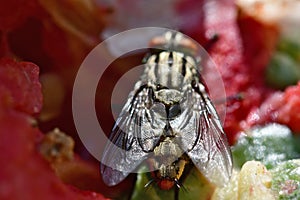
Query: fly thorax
x: 168, y: 96
x: 168, y: 68
x: 169, y: 99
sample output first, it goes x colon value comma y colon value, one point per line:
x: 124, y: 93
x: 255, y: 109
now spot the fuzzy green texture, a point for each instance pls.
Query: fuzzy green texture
x: 286, y: 180
x: 271, y: 144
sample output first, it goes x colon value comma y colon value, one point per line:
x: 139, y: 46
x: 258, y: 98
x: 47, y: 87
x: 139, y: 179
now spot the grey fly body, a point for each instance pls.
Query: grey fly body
x: 168, y: 121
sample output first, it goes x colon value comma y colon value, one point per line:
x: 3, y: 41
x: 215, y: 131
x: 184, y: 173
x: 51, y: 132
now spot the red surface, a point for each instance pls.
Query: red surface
x: 15, y: 12
x: 282, y: 107
x: 24, y: 173
x: 289, y: 112
x: 20, y: 87
x: 241, y: 54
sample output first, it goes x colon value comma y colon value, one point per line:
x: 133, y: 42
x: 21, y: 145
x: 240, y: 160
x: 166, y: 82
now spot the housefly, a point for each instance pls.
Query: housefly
x: 168, y: 121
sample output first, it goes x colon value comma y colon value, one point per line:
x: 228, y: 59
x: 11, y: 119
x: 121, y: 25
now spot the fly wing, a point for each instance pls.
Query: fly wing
x: 202, y: 136
x: 125, y: 150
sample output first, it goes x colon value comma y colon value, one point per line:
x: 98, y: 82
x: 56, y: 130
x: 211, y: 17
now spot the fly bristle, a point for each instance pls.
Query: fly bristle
x: 149, y: 183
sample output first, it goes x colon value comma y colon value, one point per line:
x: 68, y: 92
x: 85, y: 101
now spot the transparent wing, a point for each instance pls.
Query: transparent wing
x: 203, y: 138
x: 131, y: 137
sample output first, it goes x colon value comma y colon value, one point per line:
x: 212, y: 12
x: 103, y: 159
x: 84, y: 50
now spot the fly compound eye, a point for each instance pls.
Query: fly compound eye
x: 174, y: 110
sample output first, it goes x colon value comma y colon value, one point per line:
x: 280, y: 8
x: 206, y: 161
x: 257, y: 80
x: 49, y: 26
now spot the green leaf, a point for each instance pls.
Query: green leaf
x: 282, y: 71
x: 290, y: 48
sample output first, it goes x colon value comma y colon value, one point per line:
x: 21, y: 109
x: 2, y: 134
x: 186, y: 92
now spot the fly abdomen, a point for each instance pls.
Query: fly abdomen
x: 169, y: 162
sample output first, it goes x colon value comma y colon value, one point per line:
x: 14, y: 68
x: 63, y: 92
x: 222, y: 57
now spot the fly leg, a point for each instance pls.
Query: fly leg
x: 176, y: 196
x: 232, y: 98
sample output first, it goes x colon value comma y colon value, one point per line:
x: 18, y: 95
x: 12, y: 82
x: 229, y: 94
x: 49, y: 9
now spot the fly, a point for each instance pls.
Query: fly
x: 168, y: 121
